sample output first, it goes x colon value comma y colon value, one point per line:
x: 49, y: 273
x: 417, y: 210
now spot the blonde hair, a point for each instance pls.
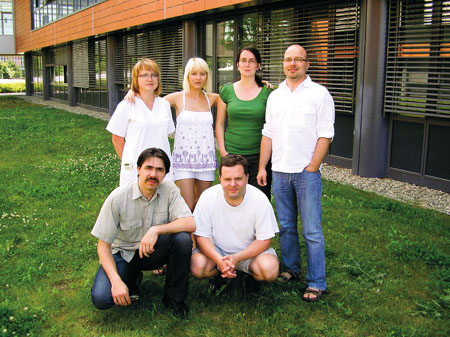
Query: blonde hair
x: 149, y: 65
x: 195, y: 63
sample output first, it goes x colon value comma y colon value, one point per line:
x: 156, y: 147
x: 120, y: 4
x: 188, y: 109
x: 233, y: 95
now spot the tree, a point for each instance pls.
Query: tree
x: 9, y: 69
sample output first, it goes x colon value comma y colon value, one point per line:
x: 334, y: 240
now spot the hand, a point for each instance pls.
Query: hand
x: 223, y: 153
x: 232, y: 262
x: 268, y: 84
x: 119, y: 292
x: 226, y: 269
x: 311, y: 169
x: 146, y: 247
x: 130, y: 96
x: 261, y: 178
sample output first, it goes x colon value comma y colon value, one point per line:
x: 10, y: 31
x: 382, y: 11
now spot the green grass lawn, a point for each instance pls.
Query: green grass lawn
x: 387, y: 262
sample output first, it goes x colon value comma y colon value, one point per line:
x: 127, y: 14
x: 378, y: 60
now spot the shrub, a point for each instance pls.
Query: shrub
x: 12, y: 87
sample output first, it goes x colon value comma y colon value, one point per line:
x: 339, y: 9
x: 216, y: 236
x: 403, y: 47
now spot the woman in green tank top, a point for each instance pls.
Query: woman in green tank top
x: 244, y: 104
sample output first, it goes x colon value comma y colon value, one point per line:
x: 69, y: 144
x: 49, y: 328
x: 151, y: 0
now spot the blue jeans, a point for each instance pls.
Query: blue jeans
x: 172, y: 249
x: 293, y: 191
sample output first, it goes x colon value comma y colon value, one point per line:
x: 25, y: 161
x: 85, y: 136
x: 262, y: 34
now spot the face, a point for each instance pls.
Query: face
x: 151, y: 173
x: 247, y: 64
x: 197, y: 78
x: 148, y: 80
x: 295, y: 70
x: 234, y: 182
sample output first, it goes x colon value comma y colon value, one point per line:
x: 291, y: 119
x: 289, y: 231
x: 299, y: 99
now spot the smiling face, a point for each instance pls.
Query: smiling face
x: 295, y: 71
x: 150, y: 175
x: 247, y: 64
x: 234, y: 182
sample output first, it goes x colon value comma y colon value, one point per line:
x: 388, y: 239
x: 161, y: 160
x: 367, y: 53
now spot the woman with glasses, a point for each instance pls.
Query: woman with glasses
x: 146, y: 123
x: 244, y: 103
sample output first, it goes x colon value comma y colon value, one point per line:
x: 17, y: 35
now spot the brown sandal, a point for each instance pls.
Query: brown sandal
x: 311, y: 291
x: 286, y: 276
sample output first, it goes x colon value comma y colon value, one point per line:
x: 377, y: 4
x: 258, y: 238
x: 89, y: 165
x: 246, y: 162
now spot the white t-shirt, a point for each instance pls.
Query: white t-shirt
x: 142, y: 128
x: 230, y: 228
x: 295, y: 121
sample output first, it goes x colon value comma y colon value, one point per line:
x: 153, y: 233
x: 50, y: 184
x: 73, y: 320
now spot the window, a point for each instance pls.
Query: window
x: 418, y: 58
x: 44, y: 12
x: 6, y: 18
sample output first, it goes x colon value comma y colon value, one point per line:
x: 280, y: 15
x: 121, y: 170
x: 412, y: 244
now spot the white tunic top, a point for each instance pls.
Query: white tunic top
x: 194, y: 148
x: 142, y: 128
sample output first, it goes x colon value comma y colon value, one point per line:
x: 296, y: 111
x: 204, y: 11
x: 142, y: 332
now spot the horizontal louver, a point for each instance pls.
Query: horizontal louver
x: 418, y: 58
x: 80, y: 64
x: 328, y: 31
x: 61, y: 55
x: 164, y: 45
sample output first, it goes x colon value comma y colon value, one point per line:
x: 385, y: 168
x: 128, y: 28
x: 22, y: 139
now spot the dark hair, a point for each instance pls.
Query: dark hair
x: 231, y: 160
x: 255, y: 52
x: 154, y: 152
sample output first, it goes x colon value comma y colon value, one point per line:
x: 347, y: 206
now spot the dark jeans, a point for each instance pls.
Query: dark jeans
x: 253, y: 166
x: 172, y: 249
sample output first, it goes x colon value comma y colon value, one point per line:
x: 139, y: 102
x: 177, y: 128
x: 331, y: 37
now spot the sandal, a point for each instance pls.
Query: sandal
x: 311, y: 291
x: 286, y: 276
x: 160, y: 271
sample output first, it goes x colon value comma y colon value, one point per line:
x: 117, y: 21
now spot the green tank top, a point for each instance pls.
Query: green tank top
x: 245, y: 120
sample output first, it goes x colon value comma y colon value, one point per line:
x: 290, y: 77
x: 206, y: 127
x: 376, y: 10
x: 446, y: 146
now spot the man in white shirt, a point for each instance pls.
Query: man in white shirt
x: 143, y: 226
x: 235, y: 224
x: 297, y: 134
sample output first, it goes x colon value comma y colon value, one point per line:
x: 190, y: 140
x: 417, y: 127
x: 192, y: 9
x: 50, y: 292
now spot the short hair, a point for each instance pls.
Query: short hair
x: 195, y: 63
x: 149, y: 65
x: 231, y: 160
x: 154, y: 152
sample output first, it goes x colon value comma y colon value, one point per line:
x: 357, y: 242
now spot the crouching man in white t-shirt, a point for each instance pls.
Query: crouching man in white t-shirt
x: 235, y: 224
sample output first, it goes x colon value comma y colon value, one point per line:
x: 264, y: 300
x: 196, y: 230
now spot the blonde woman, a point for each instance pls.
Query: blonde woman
x: 194, y: 155
x: 146, y: 123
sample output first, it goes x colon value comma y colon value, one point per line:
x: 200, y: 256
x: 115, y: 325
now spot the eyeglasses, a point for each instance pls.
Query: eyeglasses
x: 249, y: 61
x: 295, y: 59
x: 147, y: 76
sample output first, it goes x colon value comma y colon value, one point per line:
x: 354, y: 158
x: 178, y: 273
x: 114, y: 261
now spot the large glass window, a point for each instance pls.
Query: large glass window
x: 44, y: 12
x: 6, y: 18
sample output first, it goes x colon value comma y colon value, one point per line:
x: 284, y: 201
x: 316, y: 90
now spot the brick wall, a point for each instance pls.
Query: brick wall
x: 105, y: 17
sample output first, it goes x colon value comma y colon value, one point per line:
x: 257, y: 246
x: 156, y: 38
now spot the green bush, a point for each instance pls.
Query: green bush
x: 12, y: 87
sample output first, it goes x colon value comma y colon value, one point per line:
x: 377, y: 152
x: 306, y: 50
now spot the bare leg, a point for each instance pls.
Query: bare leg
x: 202, y: 266
x: 264, y: 267
x: 187, y: 190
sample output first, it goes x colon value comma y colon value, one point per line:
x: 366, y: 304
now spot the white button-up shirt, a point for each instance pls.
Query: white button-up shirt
x: 295, y: 120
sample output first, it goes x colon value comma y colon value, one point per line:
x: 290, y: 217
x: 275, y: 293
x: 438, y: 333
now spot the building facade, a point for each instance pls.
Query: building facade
x: 386, y: 63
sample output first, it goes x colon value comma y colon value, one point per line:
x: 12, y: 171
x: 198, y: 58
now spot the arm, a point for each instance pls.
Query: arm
x: 129, y: 97
x: 220, y: 127
x: 264, y: 156
x: 148, y: 241
x: 207, y: 248
x: 319, y: 154
x: 213, y: 99
x: 119, y: 144
x: 119, y: 289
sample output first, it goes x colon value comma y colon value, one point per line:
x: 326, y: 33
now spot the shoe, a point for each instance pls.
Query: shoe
x: 217, y: 285
x: 250, y: 284
x: 134, y: 291
x: 286, y: 276
x: 179, y: 309
x: 312, y: 291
